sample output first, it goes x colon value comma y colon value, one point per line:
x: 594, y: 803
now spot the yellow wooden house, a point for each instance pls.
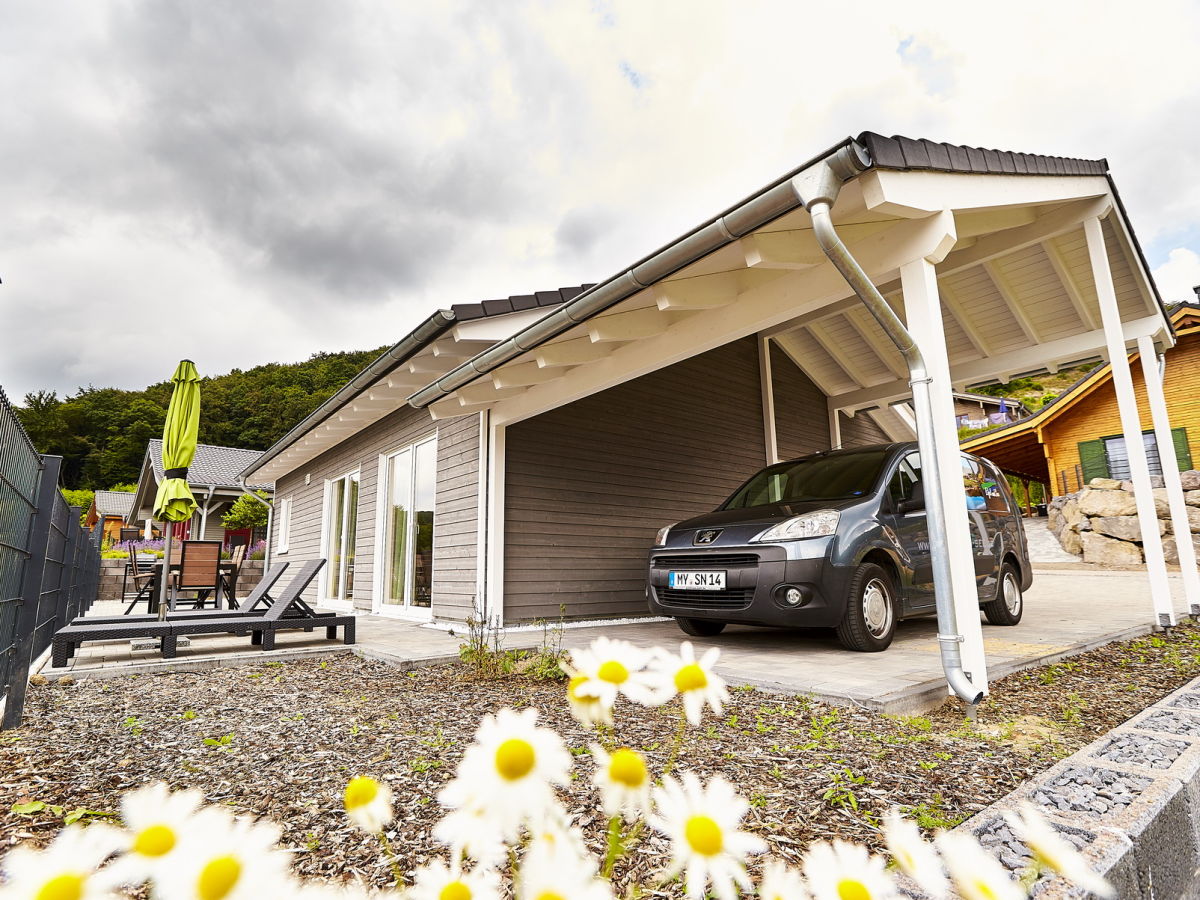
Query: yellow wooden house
x: 1078, y: 436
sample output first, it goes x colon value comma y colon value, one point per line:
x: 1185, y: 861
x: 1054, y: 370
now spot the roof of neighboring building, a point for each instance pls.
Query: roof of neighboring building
x: 218, y: 466
x: 117, y: 504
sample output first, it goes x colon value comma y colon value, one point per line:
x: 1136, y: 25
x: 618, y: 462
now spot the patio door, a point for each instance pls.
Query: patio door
x: 341, y: 525
x: 409, y: 477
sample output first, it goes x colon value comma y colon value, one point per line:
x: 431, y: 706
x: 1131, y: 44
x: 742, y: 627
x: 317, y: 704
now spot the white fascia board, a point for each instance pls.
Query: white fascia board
x: 921, y: 193
x: 497, y: 328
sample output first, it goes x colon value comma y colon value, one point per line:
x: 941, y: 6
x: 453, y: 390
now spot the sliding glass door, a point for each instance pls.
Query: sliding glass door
x: 410, y: 479
x: 341, y: 525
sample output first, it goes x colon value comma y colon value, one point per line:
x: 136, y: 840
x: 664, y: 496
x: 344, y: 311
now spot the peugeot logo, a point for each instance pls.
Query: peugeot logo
x: 707, y: 536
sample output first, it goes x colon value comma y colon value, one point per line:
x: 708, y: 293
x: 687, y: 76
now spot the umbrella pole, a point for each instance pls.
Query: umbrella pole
x: 166, y: 571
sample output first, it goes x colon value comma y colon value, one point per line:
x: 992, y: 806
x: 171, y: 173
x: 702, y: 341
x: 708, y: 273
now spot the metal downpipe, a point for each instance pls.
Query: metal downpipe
x: 949, y: 637
x: 270, y: 516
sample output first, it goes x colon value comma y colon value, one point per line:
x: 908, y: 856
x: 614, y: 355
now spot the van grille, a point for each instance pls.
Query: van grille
x: 738, y: 598
x: 706, y: 561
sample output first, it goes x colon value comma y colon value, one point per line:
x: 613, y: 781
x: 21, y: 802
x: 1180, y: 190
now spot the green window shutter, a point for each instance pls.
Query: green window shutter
x: 1093, y: 460
x: 1182, y: 452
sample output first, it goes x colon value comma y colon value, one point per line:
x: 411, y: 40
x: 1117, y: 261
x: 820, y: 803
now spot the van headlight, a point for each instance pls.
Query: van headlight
x: 660, y: 539
x: 821, y: 523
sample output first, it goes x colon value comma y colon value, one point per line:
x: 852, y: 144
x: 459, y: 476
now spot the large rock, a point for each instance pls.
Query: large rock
x: 1190, y: 479
x: 1171, y: 551
x: 1071, y: 542
x: 1055, y: 521
x: 1162, y: 508
x: 1070, y: 512
x: 1192, y: 498
x: 1106, y: 551
x: 1107, y: 503
x: 1193, y: 515
x: 1125, y: 528
x: 1104, y: 484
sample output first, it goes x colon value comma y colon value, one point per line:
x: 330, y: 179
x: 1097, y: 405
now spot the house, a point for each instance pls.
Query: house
x: 514, y: 458
x: 214, y: 480
x: 982, y: 411
x: 112, y: 508
x: 1077, y: 437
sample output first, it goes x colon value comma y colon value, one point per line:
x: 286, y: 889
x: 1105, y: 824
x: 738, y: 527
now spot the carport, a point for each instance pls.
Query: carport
x: 744, y: 341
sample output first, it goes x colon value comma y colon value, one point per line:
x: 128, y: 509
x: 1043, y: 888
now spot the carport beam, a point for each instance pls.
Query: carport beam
x: 1170, y: 466
x: 1131, y: 426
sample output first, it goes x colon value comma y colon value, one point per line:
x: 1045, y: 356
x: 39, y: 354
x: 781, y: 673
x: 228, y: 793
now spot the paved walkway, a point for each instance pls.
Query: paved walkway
x: 1043, y: 545
x: 1067, y: 612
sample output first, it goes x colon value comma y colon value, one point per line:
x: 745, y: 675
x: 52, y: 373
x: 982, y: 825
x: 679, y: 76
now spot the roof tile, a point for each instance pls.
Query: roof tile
x: 899, y: 152
x: 497, y: 307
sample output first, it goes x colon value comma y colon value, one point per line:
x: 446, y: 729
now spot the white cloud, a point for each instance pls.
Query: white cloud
x: 1178, y: 275
x: 306, y: 176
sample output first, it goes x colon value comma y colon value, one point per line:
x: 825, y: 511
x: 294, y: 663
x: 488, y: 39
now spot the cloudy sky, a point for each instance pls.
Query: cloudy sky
x: 289, y: 177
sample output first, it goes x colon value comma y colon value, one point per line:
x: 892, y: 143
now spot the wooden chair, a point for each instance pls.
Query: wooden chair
x: 230, y: 575
x: 199, y: 571
x: 143, y: 581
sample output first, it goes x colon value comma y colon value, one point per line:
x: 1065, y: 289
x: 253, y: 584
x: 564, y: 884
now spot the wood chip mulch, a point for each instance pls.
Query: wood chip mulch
x: 281, y: 740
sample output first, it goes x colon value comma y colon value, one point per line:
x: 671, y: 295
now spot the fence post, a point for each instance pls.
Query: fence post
x: 31, y: 590
x: 67, y: 586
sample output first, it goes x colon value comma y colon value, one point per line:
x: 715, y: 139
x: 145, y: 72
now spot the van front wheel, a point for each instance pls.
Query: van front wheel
x: 700, y: 627
x: 1009, y: 605
x: 869, y: 623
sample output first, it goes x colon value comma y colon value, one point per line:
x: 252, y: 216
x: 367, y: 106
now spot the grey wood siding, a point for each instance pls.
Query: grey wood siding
x: 361, y: 452
x: 589, y: 484
x: 801, y: 417
x: 861, y: 431
x: 456, y: 518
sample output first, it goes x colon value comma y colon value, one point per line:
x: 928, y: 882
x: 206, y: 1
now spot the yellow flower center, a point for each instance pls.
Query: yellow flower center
x: 62, y: 887
x: 218, y: 878
x: 361, y: 791
x: 627, y: 767
x: 985, y: 890
x: 514, y: 759
x: 455, y: 890
x: 613, y: 672
x: 704, y: 835
x: 690, y: 678
x: 157, y: 840
x: 549, y: 895
x: 849, y: 889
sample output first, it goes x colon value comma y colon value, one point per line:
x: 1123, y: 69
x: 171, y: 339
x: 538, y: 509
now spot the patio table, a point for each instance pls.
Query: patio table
x: 226, y: 567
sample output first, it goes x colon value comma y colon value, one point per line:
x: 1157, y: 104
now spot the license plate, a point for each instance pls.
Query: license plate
x: 696, y: 581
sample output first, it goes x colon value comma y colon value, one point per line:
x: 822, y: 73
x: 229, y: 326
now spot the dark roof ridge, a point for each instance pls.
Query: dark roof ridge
x: 899, y: 152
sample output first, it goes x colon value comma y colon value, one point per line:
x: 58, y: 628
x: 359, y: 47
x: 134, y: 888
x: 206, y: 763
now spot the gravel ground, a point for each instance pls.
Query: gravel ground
x: 281, y: 740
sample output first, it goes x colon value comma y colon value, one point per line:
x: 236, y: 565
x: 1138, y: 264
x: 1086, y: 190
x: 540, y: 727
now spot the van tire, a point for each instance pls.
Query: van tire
x: 700, y: 627
x: 1009, y: 605
x: 857, y: 631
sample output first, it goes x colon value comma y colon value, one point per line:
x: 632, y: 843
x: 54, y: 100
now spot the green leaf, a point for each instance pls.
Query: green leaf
x: 28, y: 809
x: 79, y: 812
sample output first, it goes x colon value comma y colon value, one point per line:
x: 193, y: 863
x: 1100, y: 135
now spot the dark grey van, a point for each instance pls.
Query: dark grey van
x: 837, y: 540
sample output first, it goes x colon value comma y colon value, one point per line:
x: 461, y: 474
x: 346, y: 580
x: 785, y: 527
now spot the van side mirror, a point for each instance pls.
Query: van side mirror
x: 916, y: 502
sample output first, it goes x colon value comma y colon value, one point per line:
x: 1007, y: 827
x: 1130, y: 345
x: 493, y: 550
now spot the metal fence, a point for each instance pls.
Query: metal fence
x: 49, y: 563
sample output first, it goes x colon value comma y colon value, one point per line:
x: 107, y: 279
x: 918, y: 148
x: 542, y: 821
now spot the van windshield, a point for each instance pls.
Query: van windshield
x: 840, y: 477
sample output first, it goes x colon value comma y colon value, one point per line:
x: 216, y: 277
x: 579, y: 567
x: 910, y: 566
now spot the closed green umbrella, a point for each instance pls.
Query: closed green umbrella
x: 174, y: 501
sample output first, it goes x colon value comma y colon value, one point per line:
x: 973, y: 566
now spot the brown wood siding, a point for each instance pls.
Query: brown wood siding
x: 801, y: 420
x: 589, y: 484
x: 453, y: 568
x: 861, y: 431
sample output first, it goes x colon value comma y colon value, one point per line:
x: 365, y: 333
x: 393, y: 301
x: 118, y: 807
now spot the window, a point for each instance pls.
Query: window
x: 841, y: 476
x: 908, y: 473
x: 1116, y: 454
x: 1108, y: 457
x: 408, y: 543
x: 341, y: 528
x: 284, y: 518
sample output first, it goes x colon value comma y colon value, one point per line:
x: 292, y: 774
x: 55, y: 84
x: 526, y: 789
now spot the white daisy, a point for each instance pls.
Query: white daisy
x: 65, y: 870
x: 693, y: 679
x: 552, y: 838
x: 157, y: 820
x: 781, y: 882
x: 977, y: 875
x: 226, y: 859
x: 614, y: 667
x: 844, y: 871
x: 1053, y: 852
x: 438, y: 881
x: 624, y: 782
x: 702, y: 824
x: 368, y: 804
x: 510, y: 771
x: 915, y: 857
x: 587, y: 709
x: 471, y: 832
x: 551, y: 871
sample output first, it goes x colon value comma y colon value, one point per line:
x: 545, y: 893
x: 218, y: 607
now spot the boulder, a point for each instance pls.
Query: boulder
x: 1055, y: 521
x: 1192, y: 498
x: 1106, y: 551
x: 1107, y: 503
x: 1070, y: 512
x: 1125, y: 528
x: 1162, y: 508
x: 1190, y: 479
x: 1171, y: 551
x: 1104, y: 484
x: 1071, y: 542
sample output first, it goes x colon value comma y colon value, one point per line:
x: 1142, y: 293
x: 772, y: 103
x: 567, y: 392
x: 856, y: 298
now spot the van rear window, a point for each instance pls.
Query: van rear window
x: 840, y: 477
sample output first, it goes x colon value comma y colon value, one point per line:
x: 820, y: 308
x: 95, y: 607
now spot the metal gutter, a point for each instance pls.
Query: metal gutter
x: 433, y: 327
x: 771, y: 202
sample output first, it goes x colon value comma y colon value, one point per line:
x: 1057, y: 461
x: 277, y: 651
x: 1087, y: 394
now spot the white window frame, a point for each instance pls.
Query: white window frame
x: 383, y: 491
x: 283, y: 536
x: 327, y: 512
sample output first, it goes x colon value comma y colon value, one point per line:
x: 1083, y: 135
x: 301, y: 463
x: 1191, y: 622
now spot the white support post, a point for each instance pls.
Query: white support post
x: 770, y: 441
x: 835, y: 427
x: 494, y: 596
x: 1170, y: 466
x: 923, y: 313
x: 1131, y: 426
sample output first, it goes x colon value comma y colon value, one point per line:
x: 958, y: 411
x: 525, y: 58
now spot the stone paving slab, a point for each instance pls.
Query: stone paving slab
x: 1066, y: 613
